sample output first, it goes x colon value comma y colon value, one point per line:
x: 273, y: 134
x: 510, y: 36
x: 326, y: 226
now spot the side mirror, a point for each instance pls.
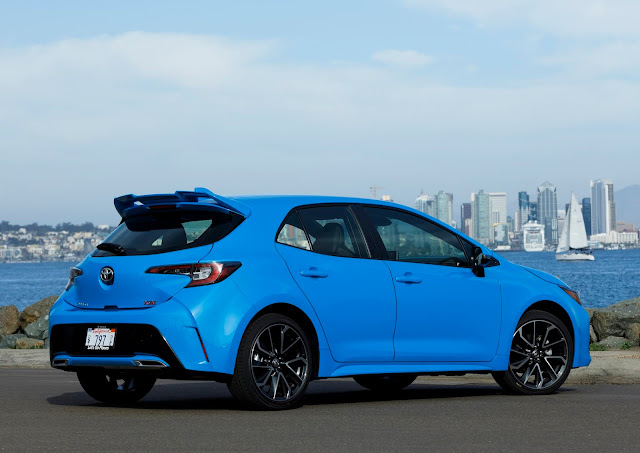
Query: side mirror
x: 476, y: 262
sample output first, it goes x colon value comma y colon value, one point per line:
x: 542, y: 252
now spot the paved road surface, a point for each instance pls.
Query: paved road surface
x: 47, y: 410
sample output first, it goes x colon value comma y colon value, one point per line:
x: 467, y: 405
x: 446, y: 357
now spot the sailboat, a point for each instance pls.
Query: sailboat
x: 573, y: 240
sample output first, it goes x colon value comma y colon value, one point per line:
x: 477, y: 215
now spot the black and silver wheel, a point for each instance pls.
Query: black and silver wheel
x: 115, y: 387
x: 274, y: 364
x: 541, y: 356
x: 385, y: 383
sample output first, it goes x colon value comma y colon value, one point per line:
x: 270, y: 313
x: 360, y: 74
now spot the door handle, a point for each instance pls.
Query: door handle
x: 313, y: 272
x: 408, y: 278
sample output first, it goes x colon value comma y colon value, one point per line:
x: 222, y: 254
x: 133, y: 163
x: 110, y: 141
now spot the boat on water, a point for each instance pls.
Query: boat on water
x: 533, y: 237
x: 573, y: 245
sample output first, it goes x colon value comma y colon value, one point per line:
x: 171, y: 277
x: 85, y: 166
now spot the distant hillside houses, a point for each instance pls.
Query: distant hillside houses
x: 64, y: 242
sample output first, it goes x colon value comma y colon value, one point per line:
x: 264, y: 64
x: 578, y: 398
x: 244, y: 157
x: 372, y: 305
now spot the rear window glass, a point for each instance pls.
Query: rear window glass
x: 163, y: 232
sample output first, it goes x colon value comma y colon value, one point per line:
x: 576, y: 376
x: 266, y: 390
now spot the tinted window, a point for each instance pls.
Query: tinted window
x: 169, y: 231
x: 410, y: 238
x: 292, y: 233
x: 333, y: 231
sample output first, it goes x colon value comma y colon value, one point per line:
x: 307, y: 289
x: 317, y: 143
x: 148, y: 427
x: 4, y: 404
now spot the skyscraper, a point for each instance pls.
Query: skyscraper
x: 603, y: 208
x: 426, y: 203
x: 586, y: 213
x: 522, y: 215
x: 533, y: 211
x: 465, y: 219
x: 548, y: 211
x: 481, y: 217
x: 444, y: 207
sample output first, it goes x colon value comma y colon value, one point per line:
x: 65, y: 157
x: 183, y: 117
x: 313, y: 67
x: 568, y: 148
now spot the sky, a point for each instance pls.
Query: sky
x: 100, y: 99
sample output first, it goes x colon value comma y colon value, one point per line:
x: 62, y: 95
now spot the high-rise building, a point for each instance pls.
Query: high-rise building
x: 481, y: 217
x: 522, y: 214
x: 586, y: 213
x: 465, y: 218
x: 427, y: 204
x: 498, y: 208
x: 444, y: 207
x: 533, y: 211
x: 603, y: 208
x: 548, y: 211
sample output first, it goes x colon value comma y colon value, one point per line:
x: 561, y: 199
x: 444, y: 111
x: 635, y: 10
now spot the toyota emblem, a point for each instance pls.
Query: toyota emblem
x: 106, y: 275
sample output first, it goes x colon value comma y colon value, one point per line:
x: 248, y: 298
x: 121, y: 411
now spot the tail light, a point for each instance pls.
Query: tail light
x: 200, y: 273
x: 73, y: 273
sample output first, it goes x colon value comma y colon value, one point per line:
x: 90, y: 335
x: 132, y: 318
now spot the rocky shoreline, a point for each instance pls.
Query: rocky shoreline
x: 28, y: 329
x: 614, y: 327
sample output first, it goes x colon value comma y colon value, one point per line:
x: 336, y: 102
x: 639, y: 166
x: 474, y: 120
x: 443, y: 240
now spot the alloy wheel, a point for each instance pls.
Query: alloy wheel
x: 539, y: 355
x: 279, y: 362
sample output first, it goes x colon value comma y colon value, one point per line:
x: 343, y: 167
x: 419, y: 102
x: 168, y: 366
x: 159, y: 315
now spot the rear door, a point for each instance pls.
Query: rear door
x: 161, y: 237
x: 445, y: 312
x: 352, y: 295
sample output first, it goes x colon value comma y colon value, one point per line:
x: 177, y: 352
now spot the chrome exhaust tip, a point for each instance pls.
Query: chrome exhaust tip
x: 149, y: 364
x: 60, y: 362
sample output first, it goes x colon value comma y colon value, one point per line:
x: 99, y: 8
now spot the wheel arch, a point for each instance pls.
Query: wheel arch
x: 300, y: 317
x: 557, y: 310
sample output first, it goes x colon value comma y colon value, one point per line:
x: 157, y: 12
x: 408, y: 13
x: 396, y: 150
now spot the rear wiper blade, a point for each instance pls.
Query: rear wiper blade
x: 116, y: 249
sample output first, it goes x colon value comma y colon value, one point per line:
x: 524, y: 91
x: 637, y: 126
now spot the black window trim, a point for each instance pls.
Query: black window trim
x: 349, y: 206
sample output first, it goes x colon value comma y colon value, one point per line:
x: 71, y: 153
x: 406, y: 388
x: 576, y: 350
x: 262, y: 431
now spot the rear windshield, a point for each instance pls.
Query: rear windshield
x: 170, y: 231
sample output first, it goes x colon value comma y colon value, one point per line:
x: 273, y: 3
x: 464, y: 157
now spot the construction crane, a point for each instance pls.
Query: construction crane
x: 374, y: 191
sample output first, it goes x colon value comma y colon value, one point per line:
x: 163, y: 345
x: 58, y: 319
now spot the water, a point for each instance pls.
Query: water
x: 612, y: 277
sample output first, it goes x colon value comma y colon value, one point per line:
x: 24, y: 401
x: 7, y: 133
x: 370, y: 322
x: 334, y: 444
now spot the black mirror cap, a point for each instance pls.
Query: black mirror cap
x: 476, y: 261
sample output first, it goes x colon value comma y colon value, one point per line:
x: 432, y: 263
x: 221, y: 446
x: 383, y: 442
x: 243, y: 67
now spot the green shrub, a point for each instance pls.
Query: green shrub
x: 598, y: 347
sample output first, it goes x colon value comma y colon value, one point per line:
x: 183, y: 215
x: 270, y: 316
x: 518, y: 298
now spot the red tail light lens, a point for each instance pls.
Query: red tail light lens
x: 200, y: 273
x: 573, y: 294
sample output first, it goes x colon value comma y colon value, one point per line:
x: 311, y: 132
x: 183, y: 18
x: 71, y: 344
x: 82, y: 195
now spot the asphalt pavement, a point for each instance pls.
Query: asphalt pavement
x: 47, y: 410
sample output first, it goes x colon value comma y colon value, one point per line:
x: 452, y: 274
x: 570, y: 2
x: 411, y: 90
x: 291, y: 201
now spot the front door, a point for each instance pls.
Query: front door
x: 445, y: 312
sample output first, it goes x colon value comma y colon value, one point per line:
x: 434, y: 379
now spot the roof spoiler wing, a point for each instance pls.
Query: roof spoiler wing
x: 200, y: 198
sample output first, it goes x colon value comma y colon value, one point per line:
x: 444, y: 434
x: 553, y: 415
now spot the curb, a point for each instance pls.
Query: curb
x: 607, y: 367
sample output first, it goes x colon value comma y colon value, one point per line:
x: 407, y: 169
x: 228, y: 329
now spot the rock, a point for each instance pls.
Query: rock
x: 9, y: 342
x: 591, y: 311
x: 633, y: 333
x: 46, y: 343
x: 29, y: 343
x: 614, y: 319
x: 9, y: 320
x: 38, y: 329
x: 37, y: 310
x: 614, y: 342
x: 593, y: 338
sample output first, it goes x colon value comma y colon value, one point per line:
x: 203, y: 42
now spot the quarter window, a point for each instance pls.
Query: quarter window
x: 292, y: 233
x: 410, y: 238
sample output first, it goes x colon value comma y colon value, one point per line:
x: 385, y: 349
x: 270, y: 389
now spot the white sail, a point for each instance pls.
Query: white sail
x: 577, y: 231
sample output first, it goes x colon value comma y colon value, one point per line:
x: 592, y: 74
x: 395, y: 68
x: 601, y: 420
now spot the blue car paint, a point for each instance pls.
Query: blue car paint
x: 220, y: 313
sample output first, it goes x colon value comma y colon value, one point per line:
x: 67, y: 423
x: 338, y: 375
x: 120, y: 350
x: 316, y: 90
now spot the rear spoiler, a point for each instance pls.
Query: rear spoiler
x: 199, y: 199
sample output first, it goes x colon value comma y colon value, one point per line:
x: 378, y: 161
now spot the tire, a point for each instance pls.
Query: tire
x: 116, y: 387
x: 274, y: 364
x: 541, y: 356
x: 385, y: 383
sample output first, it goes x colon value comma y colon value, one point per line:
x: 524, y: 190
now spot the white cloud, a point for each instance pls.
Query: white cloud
x: 617, y: 57
x: 406, y: 58
x: 577, y: 18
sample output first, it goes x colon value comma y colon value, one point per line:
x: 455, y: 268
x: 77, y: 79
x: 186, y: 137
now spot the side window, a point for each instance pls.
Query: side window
x: 334, y: 231
x: 292, y: 233
x: 410, y: 238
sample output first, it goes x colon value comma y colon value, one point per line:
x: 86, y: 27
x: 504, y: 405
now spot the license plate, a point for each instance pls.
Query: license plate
x: 100, y: 339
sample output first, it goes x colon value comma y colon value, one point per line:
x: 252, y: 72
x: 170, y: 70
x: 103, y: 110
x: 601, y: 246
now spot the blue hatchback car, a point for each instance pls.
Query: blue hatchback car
x: 269, y: 293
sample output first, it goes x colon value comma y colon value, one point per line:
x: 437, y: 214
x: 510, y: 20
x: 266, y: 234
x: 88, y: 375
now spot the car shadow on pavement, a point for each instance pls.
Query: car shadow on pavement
x: 172, y: 395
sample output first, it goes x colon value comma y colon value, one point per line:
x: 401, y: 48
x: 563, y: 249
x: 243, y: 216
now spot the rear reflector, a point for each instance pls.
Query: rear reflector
x: 200, y: 273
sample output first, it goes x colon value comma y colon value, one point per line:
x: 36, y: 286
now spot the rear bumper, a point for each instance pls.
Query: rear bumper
x: 164, y: 338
